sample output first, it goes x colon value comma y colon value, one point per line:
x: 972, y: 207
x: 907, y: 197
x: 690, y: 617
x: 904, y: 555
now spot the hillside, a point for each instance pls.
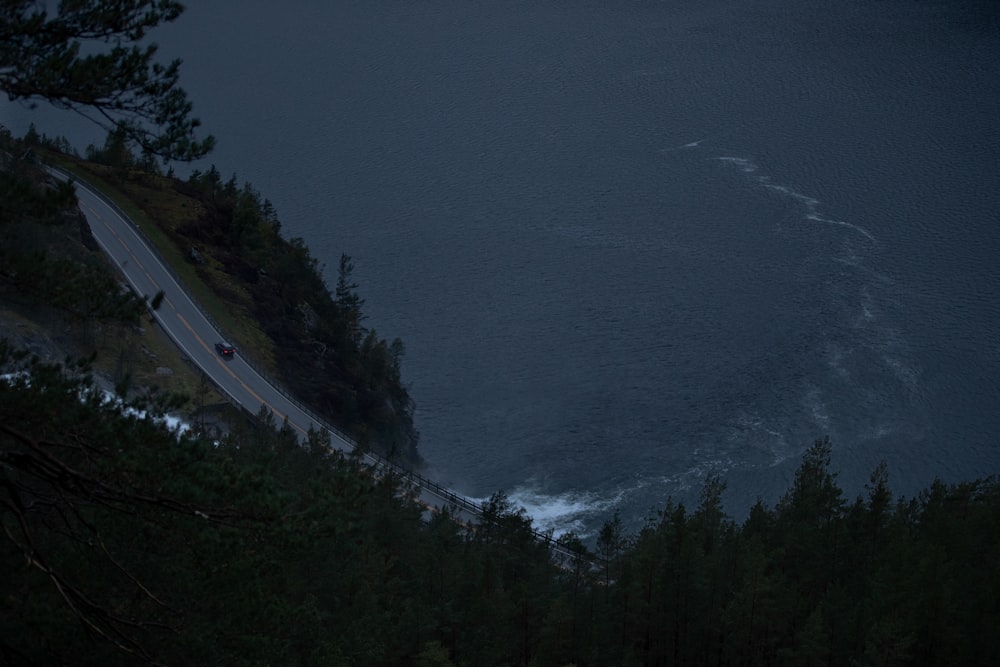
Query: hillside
x: 267, y: 293
x: 125, y: 543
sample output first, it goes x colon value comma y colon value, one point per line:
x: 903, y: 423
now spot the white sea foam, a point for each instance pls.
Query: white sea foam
x: 867, y: 308
x: 562, y: 513
x: 861, y: 230
x: 699, y: 142
x: 811, y: 204
x: 814, y: 404
x: 681, y: 147
x: 695, y: 476
x: 906, y: 374
x: 881, y: 431
x: 835, y: 355
x: 743, y: 163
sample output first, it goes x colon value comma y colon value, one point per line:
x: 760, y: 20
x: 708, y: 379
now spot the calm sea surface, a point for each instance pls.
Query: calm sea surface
x: 631, y: 244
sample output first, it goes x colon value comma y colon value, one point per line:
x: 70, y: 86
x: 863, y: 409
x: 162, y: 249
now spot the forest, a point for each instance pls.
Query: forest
x: 126, y: 541
x: 269, y: 293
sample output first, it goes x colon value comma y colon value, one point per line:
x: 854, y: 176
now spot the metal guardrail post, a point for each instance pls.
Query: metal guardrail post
x: 376, y: 460
x: 320, y: 422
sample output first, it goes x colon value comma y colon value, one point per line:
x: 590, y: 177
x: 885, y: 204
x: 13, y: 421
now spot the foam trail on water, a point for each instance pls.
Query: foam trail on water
x: 692, y: 144
x: 861, y: 230
x: 698, y: 143
x: 747, y: 166
x: 811, y: 204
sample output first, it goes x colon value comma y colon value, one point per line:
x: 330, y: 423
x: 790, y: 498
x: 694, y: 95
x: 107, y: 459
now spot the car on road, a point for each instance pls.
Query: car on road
x: 225, y: 350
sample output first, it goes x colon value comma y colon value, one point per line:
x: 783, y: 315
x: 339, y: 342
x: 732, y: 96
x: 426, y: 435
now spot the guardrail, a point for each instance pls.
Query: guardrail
x: 376, y: 461
x: 247, y: 359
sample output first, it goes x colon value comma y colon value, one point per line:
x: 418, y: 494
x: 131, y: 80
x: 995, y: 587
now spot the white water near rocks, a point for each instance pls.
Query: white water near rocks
x: 630, y: 245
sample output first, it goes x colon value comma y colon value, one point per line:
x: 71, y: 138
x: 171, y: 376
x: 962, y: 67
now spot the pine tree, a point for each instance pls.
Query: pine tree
x: 92, y: 56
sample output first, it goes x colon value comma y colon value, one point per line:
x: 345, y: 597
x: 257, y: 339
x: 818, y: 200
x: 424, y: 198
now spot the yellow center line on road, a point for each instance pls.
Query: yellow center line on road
x: 283, y: 417
x: 111, y: 229
x: 226, y: 368
x: 132, y: 258
x: 205, y: 345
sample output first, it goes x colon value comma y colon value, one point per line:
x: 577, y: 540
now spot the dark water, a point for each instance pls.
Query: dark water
x: 631, y: 244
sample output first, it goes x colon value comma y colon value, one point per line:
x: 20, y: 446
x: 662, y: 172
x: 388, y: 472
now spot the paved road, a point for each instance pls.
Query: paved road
x: 183, y: 320
x: 196, y: 336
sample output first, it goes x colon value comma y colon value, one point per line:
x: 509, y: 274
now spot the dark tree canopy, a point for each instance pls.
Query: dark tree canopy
x: 86, y: 57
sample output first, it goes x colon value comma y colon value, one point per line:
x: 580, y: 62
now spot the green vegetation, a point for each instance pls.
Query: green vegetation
x: 91, y: 56
x: 266, y: 292
x: 269, y: 295
x: 123, y: 543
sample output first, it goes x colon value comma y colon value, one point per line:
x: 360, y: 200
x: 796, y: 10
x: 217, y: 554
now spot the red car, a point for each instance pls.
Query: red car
x: 225, y: 349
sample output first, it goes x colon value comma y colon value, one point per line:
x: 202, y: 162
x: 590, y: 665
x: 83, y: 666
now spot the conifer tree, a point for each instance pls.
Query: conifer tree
x: 92, y: 57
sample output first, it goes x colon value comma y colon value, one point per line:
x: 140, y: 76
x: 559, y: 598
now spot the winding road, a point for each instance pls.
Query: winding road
x: 195, y: 334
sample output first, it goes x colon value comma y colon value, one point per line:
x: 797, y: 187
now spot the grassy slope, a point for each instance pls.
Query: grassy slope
x: 147, y: 198
x: 145, y: 352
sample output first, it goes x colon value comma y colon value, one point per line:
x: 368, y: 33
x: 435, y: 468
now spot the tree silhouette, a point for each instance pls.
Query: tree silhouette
x: 87, y: 58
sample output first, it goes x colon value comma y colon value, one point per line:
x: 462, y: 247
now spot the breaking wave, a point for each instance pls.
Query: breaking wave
x: 570, y: 512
